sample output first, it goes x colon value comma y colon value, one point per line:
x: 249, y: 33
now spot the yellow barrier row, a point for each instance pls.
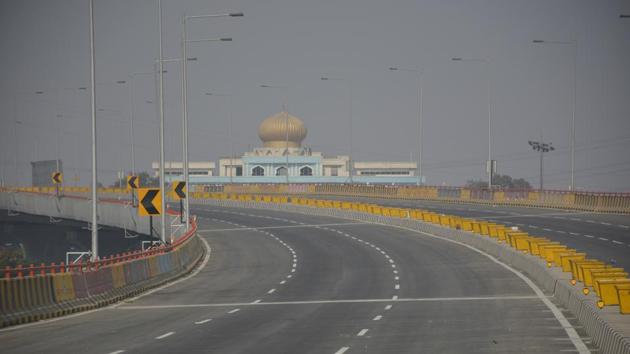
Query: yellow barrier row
x: 610, y: 283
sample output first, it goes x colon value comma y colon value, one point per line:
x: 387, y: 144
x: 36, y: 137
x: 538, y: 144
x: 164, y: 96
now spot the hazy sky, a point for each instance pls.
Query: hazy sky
x: 45, y: 47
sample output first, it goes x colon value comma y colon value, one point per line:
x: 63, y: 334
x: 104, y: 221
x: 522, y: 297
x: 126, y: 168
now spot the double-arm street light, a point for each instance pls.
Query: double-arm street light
x: 184, y: 43
x: 541, y: 147
x: 490, y: 165
x: 574, y: 45
x: 419, y: 73
x: 229, y: 96
x: 286, y: 121
x: 349, y: 84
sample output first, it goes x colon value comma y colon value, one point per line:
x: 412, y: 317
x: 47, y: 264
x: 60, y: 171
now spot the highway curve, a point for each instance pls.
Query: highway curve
x: 289, y: 283
x: 600, y: 235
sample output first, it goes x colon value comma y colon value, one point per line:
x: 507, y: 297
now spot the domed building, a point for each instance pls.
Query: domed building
x: 283, y: 159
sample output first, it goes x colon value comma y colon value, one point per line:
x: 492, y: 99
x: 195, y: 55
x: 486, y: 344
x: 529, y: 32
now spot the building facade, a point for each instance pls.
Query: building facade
x: 283, y: 159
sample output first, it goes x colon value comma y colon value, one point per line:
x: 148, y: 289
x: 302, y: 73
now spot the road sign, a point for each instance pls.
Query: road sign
x: 150, y: 201
x: 57, y: 177
x: 179, y: 188
x: 133, y: 182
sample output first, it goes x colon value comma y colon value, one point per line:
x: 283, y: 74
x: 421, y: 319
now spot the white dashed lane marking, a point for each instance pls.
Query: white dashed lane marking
x: 234, y: 311
x: 377, y: 318
x: 362, y: 332
x: 342, y: 350
x: 203, y: 321
x: 165, y: 335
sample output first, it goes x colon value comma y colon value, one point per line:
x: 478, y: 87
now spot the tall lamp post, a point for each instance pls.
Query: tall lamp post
x: 286, y: 122
x: 184, y: 42
x: 231, y: 169
x: 573, y: 104
x: 490, y: 165
x: 419, y: 73
x: 94, y: 154
x: 349, y: 83
x: 541, y: 147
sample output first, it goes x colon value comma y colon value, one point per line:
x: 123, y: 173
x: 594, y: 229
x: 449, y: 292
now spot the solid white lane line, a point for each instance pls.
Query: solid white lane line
x: 233, y: 311
x: 271, y: 291
x: 342, y: 350
x: 117, y: 352
x: 388, y: 307
x: 377, y: 318
x: 362, y: 332
x: 165, y: 335
x: 203, y: 321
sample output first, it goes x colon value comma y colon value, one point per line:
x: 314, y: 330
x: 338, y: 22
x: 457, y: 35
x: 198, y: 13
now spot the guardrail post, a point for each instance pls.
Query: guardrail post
x: 31, y: 270
x: 19, y: 271
x: 7, y: 272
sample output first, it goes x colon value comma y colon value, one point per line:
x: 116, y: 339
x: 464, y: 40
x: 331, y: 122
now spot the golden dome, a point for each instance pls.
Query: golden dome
x: 273, y: 131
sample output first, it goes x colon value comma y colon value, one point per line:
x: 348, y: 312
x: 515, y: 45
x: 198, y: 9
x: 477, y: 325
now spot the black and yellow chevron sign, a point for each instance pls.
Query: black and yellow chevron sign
x: 150, y: 201
x: 179, y: 189
x: 57, y: 178
x: 133, y: 182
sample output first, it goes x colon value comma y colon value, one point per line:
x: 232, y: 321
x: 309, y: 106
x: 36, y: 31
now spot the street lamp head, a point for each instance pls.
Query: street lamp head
x: 237, y: 14
x: 225, y: 39
x: 191, y: 59
x: 83, y: 88
x: 324, y: 78
x: 39, y: 92
x: 624, y: 16
x: 121, y: 82
x: 393, y: 68
x: 456, y: 59
x: 538, y: 41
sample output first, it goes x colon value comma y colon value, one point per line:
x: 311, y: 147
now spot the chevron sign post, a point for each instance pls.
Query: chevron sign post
x: 133, y: 182
x: 149, y: 204
x: 57, y: 180
x: 179, y: 191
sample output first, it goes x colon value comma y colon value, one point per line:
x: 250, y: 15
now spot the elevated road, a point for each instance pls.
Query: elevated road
x: 290, y: 283
x: 601, y: 236
x: 47, y: 240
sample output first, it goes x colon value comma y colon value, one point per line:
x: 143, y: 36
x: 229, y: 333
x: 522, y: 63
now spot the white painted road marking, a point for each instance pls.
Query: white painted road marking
x: 233, y: 311
x: 388, y: 307
x: 203, y: 321
x: 362, y: 332
x: 165, y: 335
x: 117, y: 352
x: 342, y: 350
x: 271, y: 291
x: 257, y: 301
x: 397, y: 286
x: 377, y: 318
x: 617, y: 242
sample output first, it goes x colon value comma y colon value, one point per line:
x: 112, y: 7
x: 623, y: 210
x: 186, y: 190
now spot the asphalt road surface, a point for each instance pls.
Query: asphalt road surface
x: 602, y: 236
x: 289, y: 283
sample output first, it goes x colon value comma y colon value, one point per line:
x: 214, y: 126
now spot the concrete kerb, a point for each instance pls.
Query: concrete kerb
x: 607, y: 329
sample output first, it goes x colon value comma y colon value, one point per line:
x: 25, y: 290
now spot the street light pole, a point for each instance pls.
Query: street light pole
x: 94, y: 255
x: 184, y: 74
x: 541, y: 147
x: 349, y: 83
x: 490, y: 167
x: 574, y: 44
x: 420, y: 111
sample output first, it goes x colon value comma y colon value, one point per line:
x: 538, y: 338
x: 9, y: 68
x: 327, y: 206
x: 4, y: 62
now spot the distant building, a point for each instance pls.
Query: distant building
x: 282, y: 159
x: 174, y: 169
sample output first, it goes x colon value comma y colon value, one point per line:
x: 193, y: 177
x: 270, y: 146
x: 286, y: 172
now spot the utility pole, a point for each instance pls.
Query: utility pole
x: 542, y: 148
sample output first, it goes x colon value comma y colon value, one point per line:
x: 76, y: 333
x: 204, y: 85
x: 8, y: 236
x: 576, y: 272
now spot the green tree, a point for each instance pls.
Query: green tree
x: 145, y: 181
x: 501, y: 181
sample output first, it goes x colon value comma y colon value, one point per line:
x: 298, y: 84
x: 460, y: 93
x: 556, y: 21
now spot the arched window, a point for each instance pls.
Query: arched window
x: 281, y: 171
x: 258, y: 171
x: 306, y: 171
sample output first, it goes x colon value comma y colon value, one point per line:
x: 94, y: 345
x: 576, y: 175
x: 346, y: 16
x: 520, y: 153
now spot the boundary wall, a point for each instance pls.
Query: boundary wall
x: 35, y: 293
x: 604, y: 320
x: 584, y: 201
